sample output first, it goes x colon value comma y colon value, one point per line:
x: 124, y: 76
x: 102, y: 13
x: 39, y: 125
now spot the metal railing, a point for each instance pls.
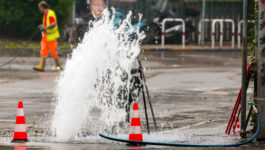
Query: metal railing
x: 221, y: 21
x: 173, y: 20
x: 213, y: 32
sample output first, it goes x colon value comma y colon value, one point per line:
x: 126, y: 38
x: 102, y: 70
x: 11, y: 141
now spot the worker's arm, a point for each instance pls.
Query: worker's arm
x: 52, y: 25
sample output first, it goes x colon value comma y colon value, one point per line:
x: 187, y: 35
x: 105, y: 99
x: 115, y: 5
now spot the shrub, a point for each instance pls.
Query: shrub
x: 20, y: 18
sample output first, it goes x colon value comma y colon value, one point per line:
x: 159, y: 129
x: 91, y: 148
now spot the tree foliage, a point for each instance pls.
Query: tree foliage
x: 20, y: 18
x: 252, y: 15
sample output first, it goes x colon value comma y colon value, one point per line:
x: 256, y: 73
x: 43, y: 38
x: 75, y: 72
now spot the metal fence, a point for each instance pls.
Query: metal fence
x: 221, y: 10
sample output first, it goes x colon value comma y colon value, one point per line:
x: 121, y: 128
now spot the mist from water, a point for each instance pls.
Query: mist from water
x: 87, y: 90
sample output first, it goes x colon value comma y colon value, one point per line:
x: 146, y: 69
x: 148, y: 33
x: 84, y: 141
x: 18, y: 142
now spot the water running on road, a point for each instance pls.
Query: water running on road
x: 87, y: 90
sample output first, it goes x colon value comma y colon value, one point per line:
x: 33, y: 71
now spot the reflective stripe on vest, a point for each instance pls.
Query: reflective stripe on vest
x: 49, y: 33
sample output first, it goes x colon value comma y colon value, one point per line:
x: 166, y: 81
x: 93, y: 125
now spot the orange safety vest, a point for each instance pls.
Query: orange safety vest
x: 51, y: 34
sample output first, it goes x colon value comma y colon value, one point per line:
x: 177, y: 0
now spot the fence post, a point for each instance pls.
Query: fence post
x: 239, y: 33
x: 173, y: 20
x: 163, y: 33
x: 203, y: 23
x: 221, y: 33
x: 201, y: 34
x: 213, y: 31
x: 244, y: 66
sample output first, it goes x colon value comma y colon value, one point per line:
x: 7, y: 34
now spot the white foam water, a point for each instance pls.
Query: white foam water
x: 87, y: 90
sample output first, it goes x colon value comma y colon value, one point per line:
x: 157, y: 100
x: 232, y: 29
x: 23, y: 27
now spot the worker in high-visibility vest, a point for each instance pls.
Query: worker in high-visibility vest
x: 50, y: 34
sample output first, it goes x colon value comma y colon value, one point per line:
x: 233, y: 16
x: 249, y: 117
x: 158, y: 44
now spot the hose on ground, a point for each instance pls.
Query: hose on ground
x: 187, y: 145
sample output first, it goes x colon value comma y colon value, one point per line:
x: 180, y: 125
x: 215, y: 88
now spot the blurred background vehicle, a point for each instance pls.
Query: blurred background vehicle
x: 154, y: 11
x: 81, y: 15
x: 173, y: 32
x: 74, y: 22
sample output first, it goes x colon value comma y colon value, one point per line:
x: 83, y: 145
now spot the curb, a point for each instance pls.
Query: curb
x: 28, y: 52
x: 31, y: 52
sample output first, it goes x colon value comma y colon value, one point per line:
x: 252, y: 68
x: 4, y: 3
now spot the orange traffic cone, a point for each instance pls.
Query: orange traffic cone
x: 135, y: 130
x: 20, y: 134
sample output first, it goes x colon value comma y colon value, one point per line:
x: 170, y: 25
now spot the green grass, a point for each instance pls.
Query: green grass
x: 24, y: 44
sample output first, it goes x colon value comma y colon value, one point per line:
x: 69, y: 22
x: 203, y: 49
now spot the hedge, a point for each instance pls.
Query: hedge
x: 20, y: 18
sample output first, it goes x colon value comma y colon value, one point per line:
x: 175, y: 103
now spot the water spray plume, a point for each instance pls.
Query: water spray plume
x: 88, y: 93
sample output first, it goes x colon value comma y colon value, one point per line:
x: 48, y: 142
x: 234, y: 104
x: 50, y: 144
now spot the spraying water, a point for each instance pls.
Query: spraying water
x: 88, y: 93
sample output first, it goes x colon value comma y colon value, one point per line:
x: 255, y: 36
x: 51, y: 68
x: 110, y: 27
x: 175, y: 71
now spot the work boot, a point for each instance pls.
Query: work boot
x: 41, y: 66
x: 58, y: 65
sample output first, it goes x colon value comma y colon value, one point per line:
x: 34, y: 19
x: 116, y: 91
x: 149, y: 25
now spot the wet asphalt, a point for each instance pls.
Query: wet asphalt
x: 192, y: 95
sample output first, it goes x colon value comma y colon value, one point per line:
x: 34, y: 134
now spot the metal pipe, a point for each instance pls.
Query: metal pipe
x: 203, y: 23
x: 145, y: 110
x: 147, y: 91
x: 248, y: 118
x: 244, y: 65
x: 221, y: 33
x: 200, y: 30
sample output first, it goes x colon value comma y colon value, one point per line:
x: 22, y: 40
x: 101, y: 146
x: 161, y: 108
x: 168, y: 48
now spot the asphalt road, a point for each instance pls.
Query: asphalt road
x: 192, y: 94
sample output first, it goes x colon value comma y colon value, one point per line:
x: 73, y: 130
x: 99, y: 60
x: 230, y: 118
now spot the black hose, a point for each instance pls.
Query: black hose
x: 184, y: 145
x: 13, y: 59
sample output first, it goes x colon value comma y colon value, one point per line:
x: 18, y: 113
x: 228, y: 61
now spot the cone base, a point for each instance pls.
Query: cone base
x: 19, y: 141
x: 135, y: 144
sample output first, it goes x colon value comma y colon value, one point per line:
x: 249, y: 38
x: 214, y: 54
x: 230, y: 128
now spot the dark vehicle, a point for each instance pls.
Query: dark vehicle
x: 173, y: 30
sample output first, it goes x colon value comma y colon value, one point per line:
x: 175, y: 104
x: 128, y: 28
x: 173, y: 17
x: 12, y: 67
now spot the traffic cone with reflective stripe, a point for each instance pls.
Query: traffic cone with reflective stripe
x: 20, y: 133
x: 135, y: 130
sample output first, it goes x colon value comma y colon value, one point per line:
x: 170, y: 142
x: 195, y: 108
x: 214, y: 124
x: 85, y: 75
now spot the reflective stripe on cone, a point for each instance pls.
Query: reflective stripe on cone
x: 20, y: 128
x: 135, y: 114
x: 20, y: 112
x: 135, y: 129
